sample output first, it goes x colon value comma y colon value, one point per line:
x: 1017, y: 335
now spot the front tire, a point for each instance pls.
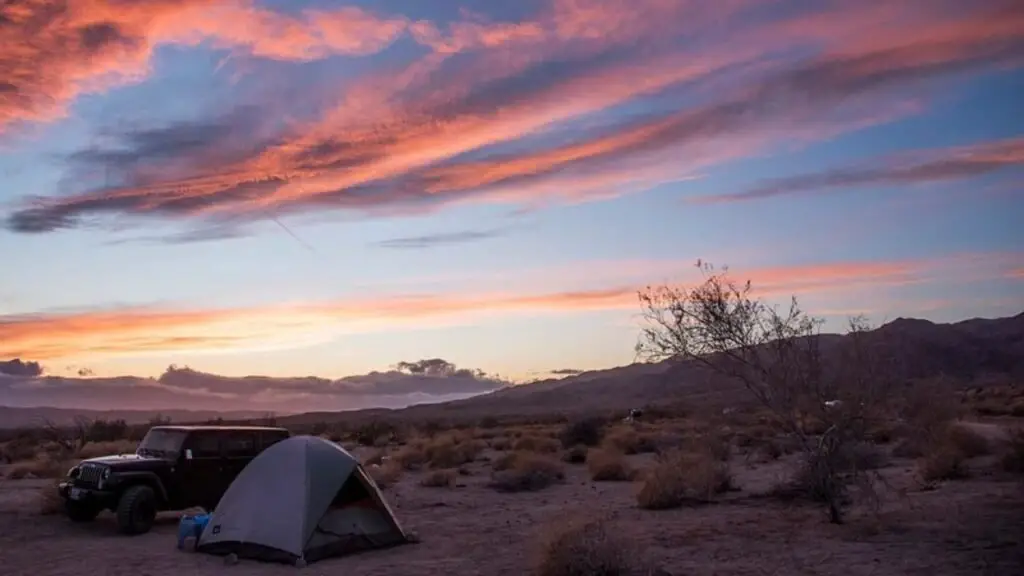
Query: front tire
x: 136, y: 510
x: 79, y: 512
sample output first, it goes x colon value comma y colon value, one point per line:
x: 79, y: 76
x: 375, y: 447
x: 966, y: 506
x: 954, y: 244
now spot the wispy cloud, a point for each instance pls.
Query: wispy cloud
x: 147, y: 331
x: 906, y: 168
x: 565, y: 372
x: 439, y: 239
x: 439, y: 131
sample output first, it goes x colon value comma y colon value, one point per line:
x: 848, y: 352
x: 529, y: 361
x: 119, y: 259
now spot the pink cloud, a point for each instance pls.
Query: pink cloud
x: 406, y: 142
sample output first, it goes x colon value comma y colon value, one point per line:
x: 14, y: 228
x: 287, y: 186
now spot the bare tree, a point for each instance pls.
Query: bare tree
x: 70, y: 438
x: 776, y: 353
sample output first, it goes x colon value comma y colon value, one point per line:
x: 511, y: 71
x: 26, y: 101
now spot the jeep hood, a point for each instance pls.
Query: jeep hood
x: 129, y: 461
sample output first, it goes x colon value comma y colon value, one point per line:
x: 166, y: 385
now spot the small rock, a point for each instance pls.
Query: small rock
x: 231, y: 559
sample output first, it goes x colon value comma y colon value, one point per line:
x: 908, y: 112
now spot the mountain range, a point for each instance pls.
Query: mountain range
x: 968, y: 350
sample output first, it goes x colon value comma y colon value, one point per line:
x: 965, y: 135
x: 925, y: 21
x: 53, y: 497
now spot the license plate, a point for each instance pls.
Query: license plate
x: 76, y: 494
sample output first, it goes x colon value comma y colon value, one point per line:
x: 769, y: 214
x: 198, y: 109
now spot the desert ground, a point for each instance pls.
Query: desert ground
x: 935, y: 512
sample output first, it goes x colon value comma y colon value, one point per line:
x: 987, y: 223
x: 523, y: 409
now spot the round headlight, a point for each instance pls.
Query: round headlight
x: 106, y: 473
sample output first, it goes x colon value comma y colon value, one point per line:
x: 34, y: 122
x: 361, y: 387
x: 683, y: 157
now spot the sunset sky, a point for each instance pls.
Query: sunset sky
x: 294, y: 188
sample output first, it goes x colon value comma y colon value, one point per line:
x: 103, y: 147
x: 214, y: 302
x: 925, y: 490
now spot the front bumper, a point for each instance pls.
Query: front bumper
x: 87, y: 496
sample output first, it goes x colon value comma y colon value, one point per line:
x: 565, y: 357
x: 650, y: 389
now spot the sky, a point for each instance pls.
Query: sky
x: 325, y: 194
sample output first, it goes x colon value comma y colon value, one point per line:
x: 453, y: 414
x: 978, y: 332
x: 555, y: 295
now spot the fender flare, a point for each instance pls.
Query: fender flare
x: 143, y: 477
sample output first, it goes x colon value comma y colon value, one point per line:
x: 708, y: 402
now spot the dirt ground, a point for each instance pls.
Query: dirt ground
x: 973, y: 526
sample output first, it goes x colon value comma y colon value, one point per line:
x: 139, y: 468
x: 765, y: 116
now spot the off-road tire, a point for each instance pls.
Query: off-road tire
x: 79, y: 512
x: 136, y: 510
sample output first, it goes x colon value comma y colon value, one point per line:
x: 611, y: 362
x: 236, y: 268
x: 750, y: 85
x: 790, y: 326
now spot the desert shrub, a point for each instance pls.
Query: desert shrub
x: 712, y: 444
x: 584, y: 549
x: 369, y: 433
x: 385, y: 474
x: 49, y: 500
x: 537, y: 444
x: 106, y: 431
x: 500, y: 443
x: 489, y: 422
x: 412, y: 456
x: 883, y: 433
x: 374, y: 457
x: 23, y: 447
x: 942, y: 437
x: 439, y: 479
x: 528, y: 471
x: 1013, y: 456
x: 967, y: 441
x: 505, y: 461
x: 609, y: 466
x: 575, y: 455
x: 452, y: 451
x: 944, y: 462
x: 678, y: 477
x: 630, y: 441
x: 588, y: 431
x: 43, y: 465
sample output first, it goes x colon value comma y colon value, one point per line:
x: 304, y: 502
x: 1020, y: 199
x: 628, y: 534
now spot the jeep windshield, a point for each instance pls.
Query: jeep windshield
x: 162, y: 443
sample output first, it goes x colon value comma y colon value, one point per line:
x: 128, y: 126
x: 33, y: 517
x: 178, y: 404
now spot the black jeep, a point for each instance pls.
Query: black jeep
x: 174, y: 468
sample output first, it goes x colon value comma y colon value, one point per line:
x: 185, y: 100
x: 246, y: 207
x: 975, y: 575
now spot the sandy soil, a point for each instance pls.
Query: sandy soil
x: 974, y: 526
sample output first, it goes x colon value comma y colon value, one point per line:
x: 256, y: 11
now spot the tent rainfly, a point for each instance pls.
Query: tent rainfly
x: 301, y: 500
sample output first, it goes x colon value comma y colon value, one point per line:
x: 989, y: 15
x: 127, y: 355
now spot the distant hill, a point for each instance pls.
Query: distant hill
x: 11, y: 417
x: 967, y: 350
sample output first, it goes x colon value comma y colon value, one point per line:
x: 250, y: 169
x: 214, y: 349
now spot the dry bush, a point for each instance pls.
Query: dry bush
x: 967, y: 441
x: 944, y: 462
x: 528, y: 471
x: 575, y: 455
x: 49, y: 499
x: 385, y: 474
x: 609, y: 466
x: 942, y: 449
x: 777, y: 356
x: 811, y: 478
x: 21, y: 448
x: 588, y: 431
x: 439, y: 479
x: 505, y: 461
x: 538, y: 444
x: 412, y: 456
x: 44, y: 465
x: 500, y: 443
x: 679, y: 477
x: 712, y: 444
x: 584, y: 549
x: 452, y: 451
x: 1013, y: 456
x: 374, y: 457
x: 629, y: 441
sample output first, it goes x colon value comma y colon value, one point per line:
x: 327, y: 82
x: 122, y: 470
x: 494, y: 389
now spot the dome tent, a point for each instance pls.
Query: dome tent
x: 304, y: 498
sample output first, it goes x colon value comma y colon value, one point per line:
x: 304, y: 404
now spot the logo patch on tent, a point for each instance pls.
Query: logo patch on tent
x: 216, y: 529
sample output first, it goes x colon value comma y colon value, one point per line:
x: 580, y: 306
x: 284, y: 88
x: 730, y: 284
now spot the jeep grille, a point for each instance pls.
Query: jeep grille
x: 90, y: 474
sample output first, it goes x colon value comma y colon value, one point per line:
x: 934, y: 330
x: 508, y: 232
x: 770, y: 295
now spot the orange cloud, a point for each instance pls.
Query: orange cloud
x: 401, y: 142
x: 54, y: 50
x: 153, y: 330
